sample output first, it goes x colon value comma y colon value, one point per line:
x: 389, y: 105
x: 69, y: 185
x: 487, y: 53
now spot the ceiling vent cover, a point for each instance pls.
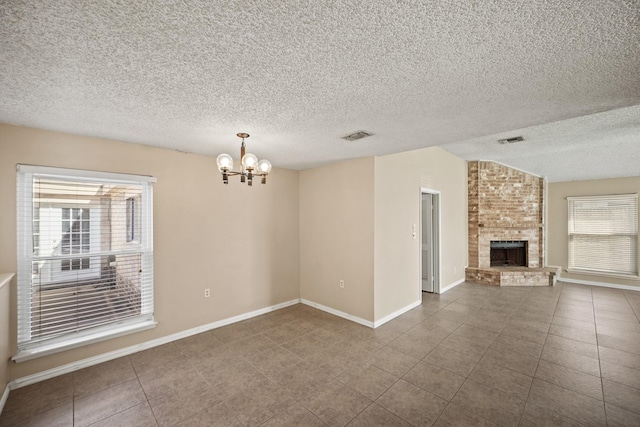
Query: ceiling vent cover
x: 511, y: 140
x: 354, y: 136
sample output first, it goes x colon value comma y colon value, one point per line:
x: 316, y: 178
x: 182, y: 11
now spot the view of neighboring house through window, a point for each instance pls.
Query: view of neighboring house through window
x: 131, y: 219
x: 603, y: 234
x: 75, y: 237
x: 85, y: 251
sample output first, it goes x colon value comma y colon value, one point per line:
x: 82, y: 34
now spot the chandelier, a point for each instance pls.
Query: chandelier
x: 250, y: 169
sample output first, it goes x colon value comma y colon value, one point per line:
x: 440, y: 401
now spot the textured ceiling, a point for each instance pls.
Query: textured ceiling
x: 297, y: 75
x: 603, y: 145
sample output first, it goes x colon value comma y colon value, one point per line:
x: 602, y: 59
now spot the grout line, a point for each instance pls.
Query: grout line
x: 73, y: 402
x: 526, y: 400
x: 595, y: 324
x: 476, y: 364
x: 133, y: 366
x: 562, y: 387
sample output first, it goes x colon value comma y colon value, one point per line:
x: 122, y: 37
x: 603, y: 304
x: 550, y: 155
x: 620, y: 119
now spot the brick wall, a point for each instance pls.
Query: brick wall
x: 504, y: 204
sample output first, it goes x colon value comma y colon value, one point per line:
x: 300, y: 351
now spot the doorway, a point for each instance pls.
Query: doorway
x: 429, y: 241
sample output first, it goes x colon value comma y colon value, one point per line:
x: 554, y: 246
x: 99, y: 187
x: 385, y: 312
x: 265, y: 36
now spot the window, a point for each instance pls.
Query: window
x: 85, y: 257
x: 603, y: 234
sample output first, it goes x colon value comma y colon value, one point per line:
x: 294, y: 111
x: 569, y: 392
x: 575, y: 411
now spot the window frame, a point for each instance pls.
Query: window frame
x: 30, y: 348
x: 571, y: 232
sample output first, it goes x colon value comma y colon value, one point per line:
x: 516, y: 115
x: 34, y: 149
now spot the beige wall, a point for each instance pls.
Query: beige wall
x: 241, y: 242
x: 398, y: 180
x: 356, y: 221
x: 336, y: 236
x: 298, y: 236
x: 557, y: 221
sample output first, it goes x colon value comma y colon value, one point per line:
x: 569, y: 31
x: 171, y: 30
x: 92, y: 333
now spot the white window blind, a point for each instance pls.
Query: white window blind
x: 603, y: 234
x: 79, y: 271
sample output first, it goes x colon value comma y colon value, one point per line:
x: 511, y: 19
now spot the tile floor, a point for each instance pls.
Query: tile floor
x: 476, y: 355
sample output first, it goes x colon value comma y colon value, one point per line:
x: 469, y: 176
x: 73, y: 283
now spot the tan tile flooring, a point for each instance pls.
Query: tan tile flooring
x: 476, y: 355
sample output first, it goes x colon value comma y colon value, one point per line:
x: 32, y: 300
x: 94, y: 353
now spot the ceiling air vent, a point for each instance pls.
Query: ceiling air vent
x: 511, y: 140
x: 354, y: 136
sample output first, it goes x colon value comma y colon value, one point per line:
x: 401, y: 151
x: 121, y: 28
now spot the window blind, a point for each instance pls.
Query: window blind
x: 79, y: 270
x: 603, y: 233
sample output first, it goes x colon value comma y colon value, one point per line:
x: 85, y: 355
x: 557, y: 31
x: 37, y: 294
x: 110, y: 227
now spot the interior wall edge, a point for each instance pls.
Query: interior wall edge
x: 397, y: 313
x: 338, y: 313
x: 453, y: 285
x: 5, y: 396
x: 601, y: 284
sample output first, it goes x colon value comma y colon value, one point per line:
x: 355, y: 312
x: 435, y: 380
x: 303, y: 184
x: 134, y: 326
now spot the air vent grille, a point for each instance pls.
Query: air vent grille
x: 511, y: 140
x: 354, y: 136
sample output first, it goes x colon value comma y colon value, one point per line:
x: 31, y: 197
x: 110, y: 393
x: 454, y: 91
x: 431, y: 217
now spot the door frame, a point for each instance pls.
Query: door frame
x: 436, y: 247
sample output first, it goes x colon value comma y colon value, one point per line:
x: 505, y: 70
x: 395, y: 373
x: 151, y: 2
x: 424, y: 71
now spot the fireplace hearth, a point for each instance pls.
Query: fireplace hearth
x: 508, y: 253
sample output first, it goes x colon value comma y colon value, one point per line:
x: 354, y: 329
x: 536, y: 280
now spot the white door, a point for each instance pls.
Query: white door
x: 429, y: 242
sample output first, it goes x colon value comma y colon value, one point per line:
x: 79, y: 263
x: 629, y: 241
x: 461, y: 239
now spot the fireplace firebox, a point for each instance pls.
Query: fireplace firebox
x: 508, y: 253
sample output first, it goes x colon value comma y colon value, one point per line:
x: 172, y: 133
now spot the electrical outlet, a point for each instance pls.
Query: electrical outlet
x: 342, y: 283
x: 207, y: 293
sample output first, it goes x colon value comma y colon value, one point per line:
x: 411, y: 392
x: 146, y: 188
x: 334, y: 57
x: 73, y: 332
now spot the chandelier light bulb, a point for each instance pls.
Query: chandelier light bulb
x: 249, y: 161
x: 225, y: 162
x: 264, y: 166
x: 251, y: 167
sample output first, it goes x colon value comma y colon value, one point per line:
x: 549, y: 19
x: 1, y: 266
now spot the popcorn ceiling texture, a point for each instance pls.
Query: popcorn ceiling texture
x: 297, y: 75
x: 603, y: 145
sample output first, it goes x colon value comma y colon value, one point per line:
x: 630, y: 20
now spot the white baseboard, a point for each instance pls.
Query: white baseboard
x: 452, y: 285
x: 105, y: 357
x: 4, y: 397
x: 337, y: 313
x: 603, y: 284
x: 396, y: 313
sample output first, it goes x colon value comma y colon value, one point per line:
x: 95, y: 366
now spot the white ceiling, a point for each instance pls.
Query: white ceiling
x: 297, y: 75
x: 602, y: 145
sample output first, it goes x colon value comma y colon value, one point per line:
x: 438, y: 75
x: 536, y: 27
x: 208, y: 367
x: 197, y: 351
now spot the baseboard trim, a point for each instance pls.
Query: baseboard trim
x: 603, y: 284
x: 105, y: 357
x: 397, y: 313
x: 5, y: 396
x: 452, y: 285
x: 337, y: 313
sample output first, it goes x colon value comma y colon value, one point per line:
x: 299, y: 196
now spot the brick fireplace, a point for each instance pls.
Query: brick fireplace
x: 506, y: 212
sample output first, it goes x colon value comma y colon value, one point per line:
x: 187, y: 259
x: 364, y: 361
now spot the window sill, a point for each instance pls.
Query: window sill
x: 47, y: 349
x: 603, y: 274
